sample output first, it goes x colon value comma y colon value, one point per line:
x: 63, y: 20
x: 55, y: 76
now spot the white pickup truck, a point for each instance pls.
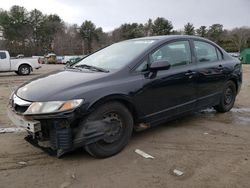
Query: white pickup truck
x: 23, y: 66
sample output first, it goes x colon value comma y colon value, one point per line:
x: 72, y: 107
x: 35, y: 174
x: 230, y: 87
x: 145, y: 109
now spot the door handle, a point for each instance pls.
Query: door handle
x: 220, y: 67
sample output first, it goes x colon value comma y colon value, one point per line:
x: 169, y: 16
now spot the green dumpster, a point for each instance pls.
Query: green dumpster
x: 245, y: 56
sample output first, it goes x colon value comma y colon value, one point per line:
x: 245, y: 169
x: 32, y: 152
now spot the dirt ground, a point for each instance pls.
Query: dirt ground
x: 211, y: 149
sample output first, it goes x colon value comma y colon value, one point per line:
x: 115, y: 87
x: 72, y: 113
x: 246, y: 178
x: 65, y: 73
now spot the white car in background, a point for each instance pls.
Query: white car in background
x: 23, y: 66
x: 66, y: 59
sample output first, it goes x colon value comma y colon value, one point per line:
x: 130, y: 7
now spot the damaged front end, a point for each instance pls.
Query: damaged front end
x: 60, y: 132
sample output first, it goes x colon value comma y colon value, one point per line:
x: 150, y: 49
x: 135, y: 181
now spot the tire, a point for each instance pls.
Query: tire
x: 227, y: 98
x: 24, y: 70
x: 111, y: 144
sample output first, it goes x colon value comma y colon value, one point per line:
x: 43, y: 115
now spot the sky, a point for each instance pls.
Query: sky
x: 110, y: 14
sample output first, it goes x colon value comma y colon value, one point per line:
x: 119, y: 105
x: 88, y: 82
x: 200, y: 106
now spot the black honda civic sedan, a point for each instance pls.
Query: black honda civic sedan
x: 131, y: 85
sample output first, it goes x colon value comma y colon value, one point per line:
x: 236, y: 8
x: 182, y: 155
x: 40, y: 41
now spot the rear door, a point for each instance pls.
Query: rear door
x: 169, y: 92
x: 4, y: 62
x: 211, y: 71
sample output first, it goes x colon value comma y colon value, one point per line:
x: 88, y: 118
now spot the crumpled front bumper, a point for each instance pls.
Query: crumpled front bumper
x: 54, y: 136
x: 31, y: 126
x: 59, y: 134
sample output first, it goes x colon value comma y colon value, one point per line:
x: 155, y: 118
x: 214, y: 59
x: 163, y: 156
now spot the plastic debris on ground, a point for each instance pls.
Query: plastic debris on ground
x: 11, y: 130
x: 22, y: 163
x: 143, y: 154
x: 73, y: 176
x: 240, y: 110
x: 178, y: 172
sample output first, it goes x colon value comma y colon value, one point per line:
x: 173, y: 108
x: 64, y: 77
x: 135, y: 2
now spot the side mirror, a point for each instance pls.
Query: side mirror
x: 159, y: 65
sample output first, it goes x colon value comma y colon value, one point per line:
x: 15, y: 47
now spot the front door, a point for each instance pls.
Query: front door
x: 169, y: 92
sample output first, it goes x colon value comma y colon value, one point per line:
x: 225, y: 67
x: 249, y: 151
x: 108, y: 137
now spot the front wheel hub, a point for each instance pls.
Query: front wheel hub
x: 114, y: 129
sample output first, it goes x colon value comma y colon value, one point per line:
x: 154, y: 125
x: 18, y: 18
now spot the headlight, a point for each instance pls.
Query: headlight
x: 52, y: 106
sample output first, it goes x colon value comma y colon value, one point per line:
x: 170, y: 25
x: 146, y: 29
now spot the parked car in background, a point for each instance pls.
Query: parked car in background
x: 41, y: 59
x: 50, y: 58
x: 23, y: 66
x: 59, y: 59
x: 74, y: 60
x: 124, y: 87
x: 71, y: 59
x: 66, y: 59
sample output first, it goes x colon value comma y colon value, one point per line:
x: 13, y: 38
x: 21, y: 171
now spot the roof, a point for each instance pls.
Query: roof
x: 164, y: 37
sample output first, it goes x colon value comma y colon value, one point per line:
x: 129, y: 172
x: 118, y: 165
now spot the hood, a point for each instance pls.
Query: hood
x: 59, y: 85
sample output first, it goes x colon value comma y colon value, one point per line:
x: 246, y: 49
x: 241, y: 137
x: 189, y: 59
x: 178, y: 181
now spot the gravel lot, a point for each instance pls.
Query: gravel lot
x: 211, y: 149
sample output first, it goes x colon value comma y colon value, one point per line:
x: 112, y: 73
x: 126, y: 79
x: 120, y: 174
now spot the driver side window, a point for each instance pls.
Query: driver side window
x: 176, y: 53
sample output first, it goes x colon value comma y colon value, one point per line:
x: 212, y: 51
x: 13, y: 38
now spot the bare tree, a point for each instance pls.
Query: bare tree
x: 68, y: 41
x: 239, y: 37
x: 148, y: 28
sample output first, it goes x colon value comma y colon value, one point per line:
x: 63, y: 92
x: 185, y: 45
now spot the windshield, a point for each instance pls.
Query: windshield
x: 116, y: 55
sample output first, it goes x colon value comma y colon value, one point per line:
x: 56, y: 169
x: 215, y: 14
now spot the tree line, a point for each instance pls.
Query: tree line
x: 34, y: 33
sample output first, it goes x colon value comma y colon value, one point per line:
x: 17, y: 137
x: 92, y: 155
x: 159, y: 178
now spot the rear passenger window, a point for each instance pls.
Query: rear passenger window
x: 205, y: 52
x: 176, y: 53
x: 2, y: 55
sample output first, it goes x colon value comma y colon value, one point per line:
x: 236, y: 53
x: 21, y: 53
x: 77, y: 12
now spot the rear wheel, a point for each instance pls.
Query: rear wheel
x: 24, y: 70
x: 118, y: 136
x: 227, y: 98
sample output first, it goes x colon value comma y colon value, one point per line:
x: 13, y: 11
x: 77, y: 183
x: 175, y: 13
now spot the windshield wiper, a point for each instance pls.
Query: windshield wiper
x: 70, y: 67
x: 91, y: 67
